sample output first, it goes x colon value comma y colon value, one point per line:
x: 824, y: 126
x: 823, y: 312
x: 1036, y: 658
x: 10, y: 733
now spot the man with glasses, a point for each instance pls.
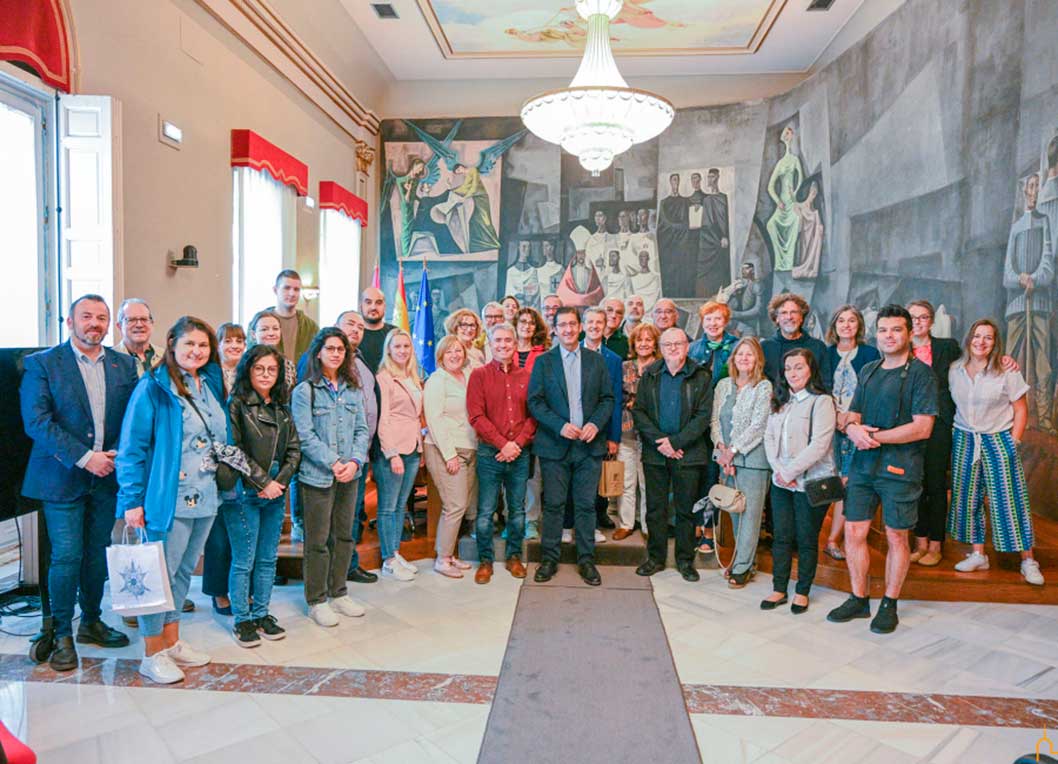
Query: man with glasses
x: 672, y: 412
x: 491, y: 315
x: 571, y: 399
x: 551, y: 303
x: 135, y: 323
x: 665, y: 314
x: 615, y: 337
x: 788, y: 312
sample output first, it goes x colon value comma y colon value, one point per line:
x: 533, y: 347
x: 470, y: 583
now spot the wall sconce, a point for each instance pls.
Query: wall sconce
x: 187, y: 259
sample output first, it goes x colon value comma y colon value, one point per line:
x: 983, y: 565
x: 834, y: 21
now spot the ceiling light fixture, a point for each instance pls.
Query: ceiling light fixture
x: 598, y: 116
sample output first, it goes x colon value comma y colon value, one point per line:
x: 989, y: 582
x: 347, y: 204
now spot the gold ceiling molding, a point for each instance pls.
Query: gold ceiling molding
x: 260, y: 28
x: 760, y: 34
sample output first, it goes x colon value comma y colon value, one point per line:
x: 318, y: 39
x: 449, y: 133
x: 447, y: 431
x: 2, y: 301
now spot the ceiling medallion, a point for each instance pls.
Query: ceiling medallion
x: 598, y: 116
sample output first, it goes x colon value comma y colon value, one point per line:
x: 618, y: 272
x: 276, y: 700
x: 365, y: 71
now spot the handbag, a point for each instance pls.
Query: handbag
x: 727, y: 499
x: 822, y: 491
x: 227, y: 461
x: 139, y: 578
x: 612, y: 479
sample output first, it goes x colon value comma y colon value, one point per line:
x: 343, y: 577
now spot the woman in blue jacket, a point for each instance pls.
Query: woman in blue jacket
x: 328, y: 410
x: 167, y: 476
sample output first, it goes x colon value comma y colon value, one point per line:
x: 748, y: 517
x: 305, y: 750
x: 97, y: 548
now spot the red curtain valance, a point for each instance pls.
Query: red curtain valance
x: 248, y: 149
x: 335, y: 197
x: 35, y: 33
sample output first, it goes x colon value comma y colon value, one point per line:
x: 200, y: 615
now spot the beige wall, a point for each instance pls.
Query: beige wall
x: 171, y: 58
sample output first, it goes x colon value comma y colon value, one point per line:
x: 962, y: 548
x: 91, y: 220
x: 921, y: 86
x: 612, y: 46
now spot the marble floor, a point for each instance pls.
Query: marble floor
x: 411, y: 682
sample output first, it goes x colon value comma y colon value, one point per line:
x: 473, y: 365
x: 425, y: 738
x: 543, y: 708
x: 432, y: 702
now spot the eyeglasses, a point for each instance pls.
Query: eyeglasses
x: 672, y: 345
x: 494, y: 316
x: 265, y: 371
x: 467, y: 325
x: 137, y: 320
x: 664, y: 311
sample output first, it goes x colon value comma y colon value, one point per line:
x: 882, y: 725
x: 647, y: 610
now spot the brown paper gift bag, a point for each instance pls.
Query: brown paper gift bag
x: 612, y: 479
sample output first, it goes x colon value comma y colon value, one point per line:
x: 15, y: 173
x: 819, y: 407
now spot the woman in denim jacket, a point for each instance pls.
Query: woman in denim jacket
x: 329, y: 414
x: 167, y: 478
x: 263, y: 427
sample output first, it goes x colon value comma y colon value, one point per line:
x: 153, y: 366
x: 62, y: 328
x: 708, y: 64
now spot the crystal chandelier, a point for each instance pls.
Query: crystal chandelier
x: 598, y: 116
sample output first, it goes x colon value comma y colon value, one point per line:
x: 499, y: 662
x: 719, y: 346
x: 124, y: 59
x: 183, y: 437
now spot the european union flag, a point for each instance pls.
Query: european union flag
x: 422, y: 333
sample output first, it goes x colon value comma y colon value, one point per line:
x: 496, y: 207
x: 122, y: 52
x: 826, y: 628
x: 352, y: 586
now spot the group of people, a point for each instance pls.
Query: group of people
x: 204, y: 442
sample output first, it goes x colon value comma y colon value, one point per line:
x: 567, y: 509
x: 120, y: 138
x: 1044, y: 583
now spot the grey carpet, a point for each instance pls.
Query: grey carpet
x: 588, y: 677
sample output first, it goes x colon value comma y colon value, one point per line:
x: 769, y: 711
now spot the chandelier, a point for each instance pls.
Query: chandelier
x: 598, y: 116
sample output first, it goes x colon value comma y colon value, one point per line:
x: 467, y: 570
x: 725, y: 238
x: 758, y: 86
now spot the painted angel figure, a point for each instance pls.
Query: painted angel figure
x: 467, y: 211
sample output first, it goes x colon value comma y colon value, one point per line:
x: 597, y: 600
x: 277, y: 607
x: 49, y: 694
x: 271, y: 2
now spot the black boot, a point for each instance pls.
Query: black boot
x: 65, y: 656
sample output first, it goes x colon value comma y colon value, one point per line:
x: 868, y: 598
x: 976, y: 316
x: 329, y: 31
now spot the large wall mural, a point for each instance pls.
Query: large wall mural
x: 922, y: 163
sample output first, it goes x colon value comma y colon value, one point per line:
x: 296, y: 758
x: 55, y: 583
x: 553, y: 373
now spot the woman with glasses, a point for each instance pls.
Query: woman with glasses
x: 263, y: 427
x: 465, y: 325
x: 533, y: 339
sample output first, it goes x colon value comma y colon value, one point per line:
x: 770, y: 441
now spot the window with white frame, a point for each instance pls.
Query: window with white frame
x: 264, y: 239
x: 339, y: 270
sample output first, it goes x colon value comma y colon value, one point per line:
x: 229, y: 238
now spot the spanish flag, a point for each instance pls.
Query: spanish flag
x: 400, y: 304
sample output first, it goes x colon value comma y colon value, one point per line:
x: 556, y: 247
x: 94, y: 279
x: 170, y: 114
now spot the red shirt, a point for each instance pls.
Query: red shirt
x: 497, y: 404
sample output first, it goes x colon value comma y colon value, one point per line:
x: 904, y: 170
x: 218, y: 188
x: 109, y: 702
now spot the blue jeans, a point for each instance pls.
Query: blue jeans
x: 512, y: 477
x: 393, y: 493
x: 254, y: 526
x: 79, y: 532
x: 183, y: 545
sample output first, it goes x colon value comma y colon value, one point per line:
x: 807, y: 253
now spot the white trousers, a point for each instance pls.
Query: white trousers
x: 630, y: 453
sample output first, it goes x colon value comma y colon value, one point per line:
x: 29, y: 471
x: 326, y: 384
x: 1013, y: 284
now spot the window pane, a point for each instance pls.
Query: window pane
x: 339, y: 264
x: 259, y: 240
x: 20, y: 226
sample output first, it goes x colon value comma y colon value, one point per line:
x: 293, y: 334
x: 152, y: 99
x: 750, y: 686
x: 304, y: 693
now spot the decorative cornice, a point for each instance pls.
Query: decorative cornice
x: 261, y: 29
x: 365, y: 156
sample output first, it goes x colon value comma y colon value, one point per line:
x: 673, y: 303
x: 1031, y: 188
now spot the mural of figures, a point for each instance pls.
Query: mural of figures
x: 580, y: 285
x: 1028, y: 273
x: 677, y: 248
x: 550, y: 271
x: 645, y: 281
x: 743, y: 298
x: 708, y: 213
x: 784, y: 225
x: 810, y: 238
x: 522, y: 278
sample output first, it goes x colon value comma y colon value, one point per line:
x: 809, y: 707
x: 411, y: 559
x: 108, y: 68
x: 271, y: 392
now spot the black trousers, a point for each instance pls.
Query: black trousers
x: 684, y: 484
x: 577, y: 473
x: 794, y: 520
x: 933, y: 504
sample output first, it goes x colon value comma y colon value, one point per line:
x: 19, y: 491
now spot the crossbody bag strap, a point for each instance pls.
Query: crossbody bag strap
x: 209, y: 432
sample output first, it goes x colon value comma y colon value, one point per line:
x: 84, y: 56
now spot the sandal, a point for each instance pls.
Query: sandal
x: 705, y: 546
x: 834, y: 552
x: 739, y: 580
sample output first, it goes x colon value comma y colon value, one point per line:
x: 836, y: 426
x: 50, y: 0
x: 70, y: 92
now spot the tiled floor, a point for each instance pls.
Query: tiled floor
x: 440, y: 626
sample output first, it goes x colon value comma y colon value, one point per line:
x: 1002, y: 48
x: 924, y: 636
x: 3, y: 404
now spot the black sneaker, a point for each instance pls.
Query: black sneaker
x: 269, y: 629
x: 853, y: 607
x: 885, y: 620
x: 245, y: 634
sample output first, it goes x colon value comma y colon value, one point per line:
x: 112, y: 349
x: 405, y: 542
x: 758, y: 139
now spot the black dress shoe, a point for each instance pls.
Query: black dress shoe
x: 650, y: 567
x: 589, y: 573
x: 771, y: 605
x: 545, y: 571
x: 65, y: 656
x: 688, y: 572
x: 604, y: 521
x: 360, y: 576
x: 98, y: 633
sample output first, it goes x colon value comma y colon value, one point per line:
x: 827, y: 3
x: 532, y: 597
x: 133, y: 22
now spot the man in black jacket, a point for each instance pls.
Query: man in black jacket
x: 788, y: 312
x: 672, y: 412
x: 571, y: 399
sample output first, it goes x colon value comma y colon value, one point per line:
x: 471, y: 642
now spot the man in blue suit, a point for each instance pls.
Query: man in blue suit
x: 73, y: 398
x: 571, y: 399
x: 594, y: 320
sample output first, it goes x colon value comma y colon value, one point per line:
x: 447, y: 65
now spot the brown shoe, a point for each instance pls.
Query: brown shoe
x: 515, y: 567
x: 484, y: 573
x: 621, y: 534
x: 930, y: 559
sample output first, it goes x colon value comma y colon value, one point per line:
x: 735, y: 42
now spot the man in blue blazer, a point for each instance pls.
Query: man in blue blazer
x: 594, y: 320
x: 571, y: 399
x: 73, y: 399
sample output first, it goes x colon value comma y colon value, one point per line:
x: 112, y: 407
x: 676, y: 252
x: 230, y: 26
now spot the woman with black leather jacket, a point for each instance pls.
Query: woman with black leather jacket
x: 262, y: 426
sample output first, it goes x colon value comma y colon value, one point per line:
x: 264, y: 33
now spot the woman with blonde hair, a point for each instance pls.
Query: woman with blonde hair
x: 644, y: 350
x: 450, y: 450
x: 991, y: 412
x: 465, y: 324
x: 396, y: 461
x: 741, y: 405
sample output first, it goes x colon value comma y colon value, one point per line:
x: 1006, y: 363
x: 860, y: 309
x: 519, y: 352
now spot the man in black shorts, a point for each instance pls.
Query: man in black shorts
x: 890, y: 420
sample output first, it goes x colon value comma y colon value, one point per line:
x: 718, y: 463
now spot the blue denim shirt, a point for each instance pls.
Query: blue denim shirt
x: 196, y: 495
x: 332, y: 427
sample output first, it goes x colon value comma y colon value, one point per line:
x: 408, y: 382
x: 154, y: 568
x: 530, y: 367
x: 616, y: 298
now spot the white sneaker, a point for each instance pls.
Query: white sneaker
x: 323, y: 615
x: 974, y: 561
x: 600, y: 538
x: 160, y: 669
x: 394, y: 569
x: 567, y: 536
x: 348, y: 607
x: 1030, y: 571
x: 405, y: 564
x: 182, y: 654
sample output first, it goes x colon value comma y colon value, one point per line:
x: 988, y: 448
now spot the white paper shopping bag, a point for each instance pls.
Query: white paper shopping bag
x: 139, y: 579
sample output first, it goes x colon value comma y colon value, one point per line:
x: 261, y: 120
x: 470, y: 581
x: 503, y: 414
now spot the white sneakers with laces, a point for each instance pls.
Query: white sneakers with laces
x: 1030, y: 571
x: 405, y: 564
x: 323, y: 615
x: 182, y: 654
x: 974, y: 561
x: 394, y: 569
x: 160, y: 669
x: 347, y: 607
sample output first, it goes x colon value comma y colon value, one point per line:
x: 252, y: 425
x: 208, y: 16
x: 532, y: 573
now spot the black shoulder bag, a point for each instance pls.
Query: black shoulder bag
x: 824, y: 491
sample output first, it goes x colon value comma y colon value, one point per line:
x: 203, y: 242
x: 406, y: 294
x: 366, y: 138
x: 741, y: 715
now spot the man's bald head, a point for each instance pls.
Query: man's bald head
x: 665, y: 314
x: 674, y: 346
x: 373, y: 307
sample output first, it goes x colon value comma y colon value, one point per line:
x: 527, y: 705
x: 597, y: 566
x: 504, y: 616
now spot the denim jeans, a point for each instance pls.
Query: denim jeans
x: 216, y: 559
x: 254, y: 526
x: 328, y: 539
x: 393, y: 493
x: 297, y: 506
x: 512, y: 477
x: 80, y: 533
x: 183, y: 545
